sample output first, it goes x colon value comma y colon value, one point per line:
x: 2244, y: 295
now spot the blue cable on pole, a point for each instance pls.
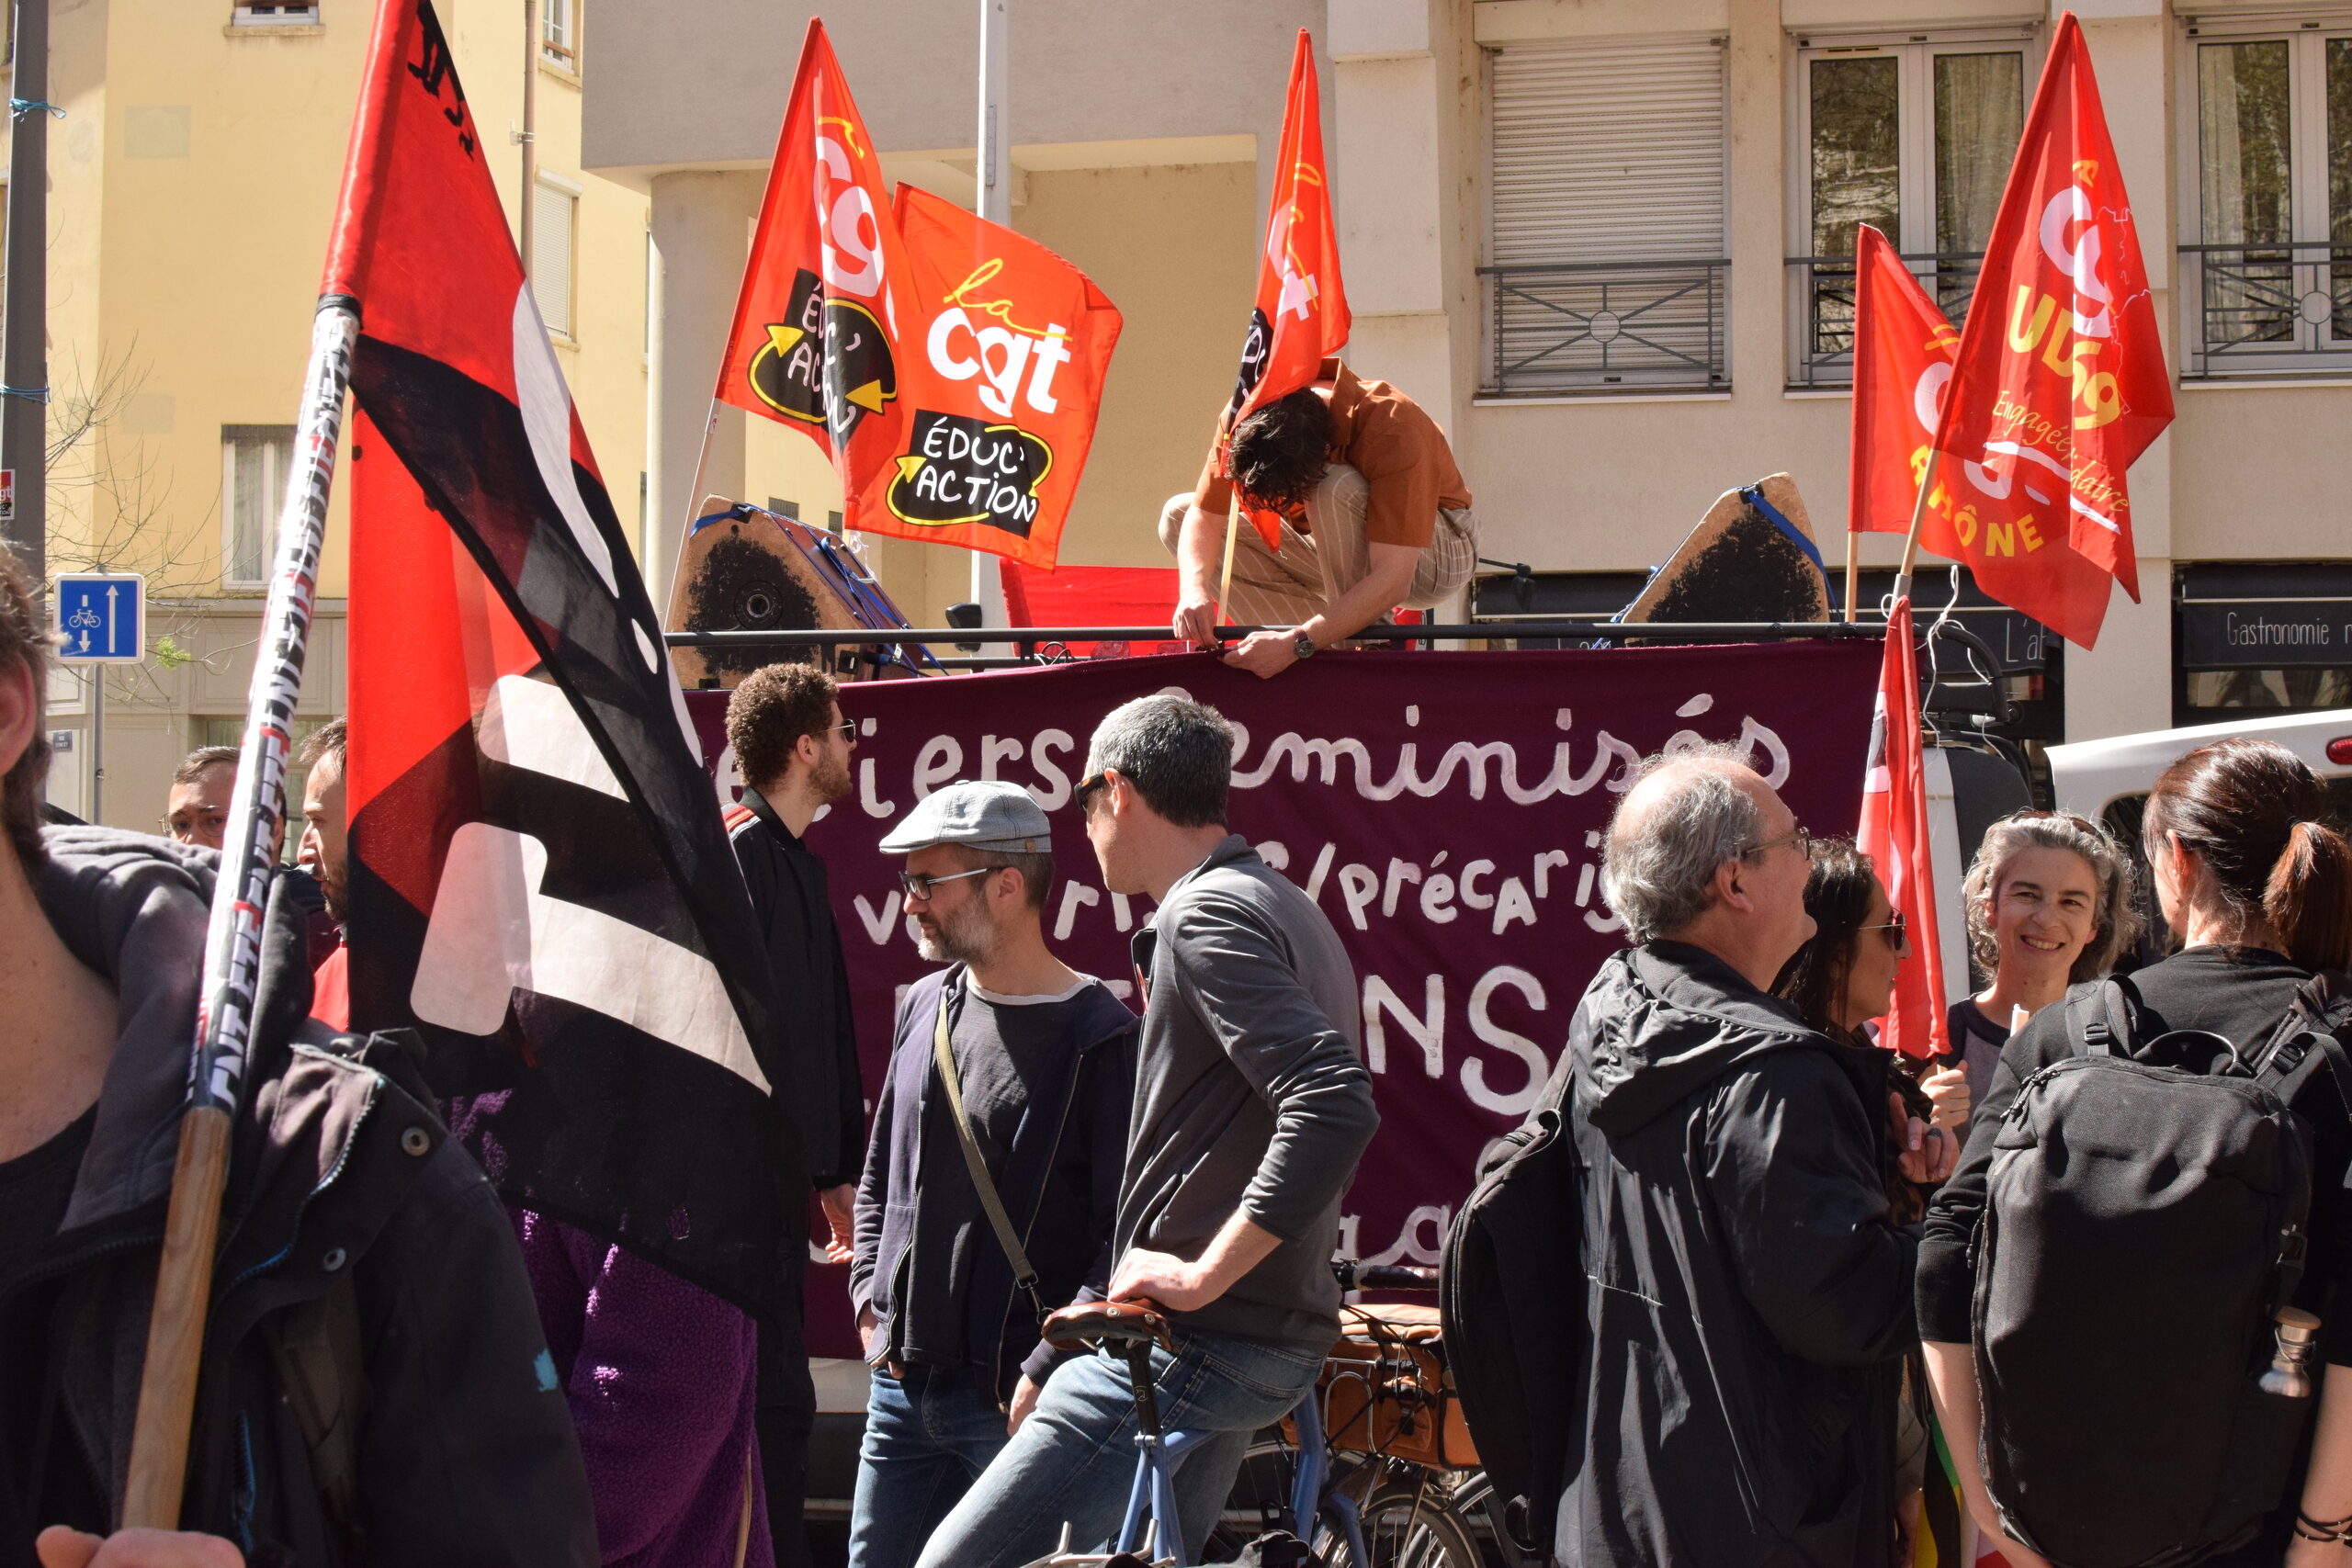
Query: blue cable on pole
x: 31, y: 394
x: 20, y: 108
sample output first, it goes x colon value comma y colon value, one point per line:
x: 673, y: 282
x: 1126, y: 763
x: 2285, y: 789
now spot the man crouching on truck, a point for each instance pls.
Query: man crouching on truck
x: 1251, y: 1108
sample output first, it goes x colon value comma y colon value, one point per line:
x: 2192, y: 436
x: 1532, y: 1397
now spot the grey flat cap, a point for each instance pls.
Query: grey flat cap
x: 979, y: 814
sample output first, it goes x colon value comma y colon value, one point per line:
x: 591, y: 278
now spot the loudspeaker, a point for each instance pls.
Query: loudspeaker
x: 1741, y: 564
x: 742, y: 568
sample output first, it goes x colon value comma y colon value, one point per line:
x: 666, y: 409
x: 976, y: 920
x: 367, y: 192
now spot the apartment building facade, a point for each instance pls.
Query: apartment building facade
x: 1607, y: 242
x: 192, y: 182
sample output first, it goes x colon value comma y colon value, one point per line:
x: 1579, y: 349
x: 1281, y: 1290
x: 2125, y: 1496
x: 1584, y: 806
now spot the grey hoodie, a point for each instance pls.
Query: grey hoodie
x: 1249, y: 1094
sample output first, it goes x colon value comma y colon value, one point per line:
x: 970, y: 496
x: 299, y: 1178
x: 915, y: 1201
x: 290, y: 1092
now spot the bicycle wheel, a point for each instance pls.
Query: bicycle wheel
x: 1406, y: 1525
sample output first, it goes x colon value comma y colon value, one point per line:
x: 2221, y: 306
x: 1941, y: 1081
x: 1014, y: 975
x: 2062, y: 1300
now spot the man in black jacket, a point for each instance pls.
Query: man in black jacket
x: 1749, y: 1297
x: 793, y: 747
x: 374, y: 1370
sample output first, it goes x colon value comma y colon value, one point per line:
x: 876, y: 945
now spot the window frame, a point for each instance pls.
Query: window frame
x: 2306, y: 29
x: 563, y: 56
x: 242, y: 14
x: 1915, y: 49
x: 233, y: 438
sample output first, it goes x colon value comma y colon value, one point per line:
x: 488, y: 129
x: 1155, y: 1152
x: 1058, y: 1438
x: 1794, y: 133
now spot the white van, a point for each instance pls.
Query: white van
x: 2109, y: 780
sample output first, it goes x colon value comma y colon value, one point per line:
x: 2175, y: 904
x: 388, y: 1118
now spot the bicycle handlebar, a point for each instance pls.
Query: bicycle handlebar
x: 1355, y: 1276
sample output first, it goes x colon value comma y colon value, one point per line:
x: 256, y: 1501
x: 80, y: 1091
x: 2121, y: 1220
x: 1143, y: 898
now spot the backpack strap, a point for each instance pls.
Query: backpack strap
x: 315, y: 1346
x: 2099, y: 1017
x: 2311, y: 1033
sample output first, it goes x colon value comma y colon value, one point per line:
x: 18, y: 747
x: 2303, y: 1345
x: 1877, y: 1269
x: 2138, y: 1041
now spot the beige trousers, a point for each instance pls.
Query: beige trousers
x: 1283, y: 588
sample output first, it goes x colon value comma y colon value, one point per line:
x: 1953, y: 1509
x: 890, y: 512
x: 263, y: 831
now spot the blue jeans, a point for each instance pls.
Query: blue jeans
x: 1074, y: 1459
x: 928, y: 1437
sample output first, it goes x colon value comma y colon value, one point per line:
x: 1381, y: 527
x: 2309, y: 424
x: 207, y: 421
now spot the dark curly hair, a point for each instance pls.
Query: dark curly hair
x: 1838, y: 896
x: 24, y: 642
x: 771, y: 710
x: 1279, y: 452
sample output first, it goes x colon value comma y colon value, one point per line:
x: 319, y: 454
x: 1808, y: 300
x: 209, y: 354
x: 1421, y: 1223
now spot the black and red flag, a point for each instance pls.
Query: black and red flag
x: 540, y: 884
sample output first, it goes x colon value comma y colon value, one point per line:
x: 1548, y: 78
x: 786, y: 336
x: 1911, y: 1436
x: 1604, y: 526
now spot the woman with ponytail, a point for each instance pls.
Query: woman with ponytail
x: 2258, y: 892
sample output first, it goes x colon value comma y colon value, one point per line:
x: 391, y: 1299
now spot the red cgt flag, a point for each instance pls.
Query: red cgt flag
x: 1903, y: 354
x: 2061, y: 382
x: 1300, y: 315
x: 1903, y: 358
x: 1003, y: 393
x: 1894, y: 833
x: 817, y: 325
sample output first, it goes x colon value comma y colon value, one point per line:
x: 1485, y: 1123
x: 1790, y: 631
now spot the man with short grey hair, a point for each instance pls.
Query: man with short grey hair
x: 1748, y: 1294
x: 1251, y: 1109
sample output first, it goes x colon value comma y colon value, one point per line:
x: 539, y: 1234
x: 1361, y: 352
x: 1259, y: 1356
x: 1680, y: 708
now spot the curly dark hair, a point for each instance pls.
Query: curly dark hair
x: 24, y: 643
x: 771, y: 711
x: 1838, y: 896
x: 1279, y: 452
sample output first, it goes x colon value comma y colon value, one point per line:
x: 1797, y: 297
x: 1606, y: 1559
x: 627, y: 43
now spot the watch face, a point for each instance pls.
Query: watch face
x: 1302, y: 644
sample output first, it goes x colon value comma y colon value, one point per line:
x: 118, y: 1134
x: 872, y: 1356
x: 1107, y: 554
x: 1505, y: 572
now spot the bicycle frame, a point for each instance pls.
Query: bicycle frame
x: 1307, y: 1500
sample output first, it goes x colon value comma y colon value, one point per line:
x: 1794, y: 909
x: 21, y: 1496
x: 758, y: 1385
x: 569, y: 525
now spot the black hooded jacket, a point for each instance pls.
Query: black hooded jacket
x: 1748, y: 1299
x: 346, y: 1196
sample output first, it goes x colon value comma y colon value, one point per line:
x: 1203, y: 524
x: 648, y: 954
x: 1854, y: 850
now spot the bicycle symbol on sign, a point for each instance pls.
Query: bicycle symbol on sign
x: 84, y: 617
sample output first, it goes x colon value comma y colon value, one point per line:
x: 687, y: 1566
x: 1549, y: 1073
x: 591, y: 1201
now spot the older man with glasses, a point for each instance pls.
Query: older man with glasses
x: 1749, y: 1294
x: 993, y: 1175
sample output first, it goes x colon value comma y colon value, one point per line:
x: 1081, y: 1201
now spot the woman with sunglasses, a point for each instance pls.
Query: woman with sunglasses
x: 1838, y: 981
x: 2048, y: 902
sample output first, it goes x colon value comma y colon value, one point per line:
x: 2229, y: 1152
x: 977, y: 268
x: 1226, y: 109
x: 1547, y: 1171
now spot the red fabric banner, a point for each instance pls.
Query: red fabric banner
x: 2059, y: 383
x: 1445, y: 810
x: 1301, y: 314
x: 1894, y: 833
x: 1005, y: 351
x: 826, y: 293
x: 1903, y: 359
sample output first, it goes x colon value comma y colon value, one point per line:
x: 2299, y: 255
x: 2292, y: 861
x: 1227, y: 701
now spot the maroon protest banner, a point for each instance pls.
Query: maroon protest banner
x: 1445, y: 810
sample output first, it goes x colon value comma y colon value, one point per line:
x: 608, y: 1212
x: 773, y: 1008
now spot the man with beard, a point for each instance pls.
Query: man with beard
x: 792, y: 747
x: 956, y: 1268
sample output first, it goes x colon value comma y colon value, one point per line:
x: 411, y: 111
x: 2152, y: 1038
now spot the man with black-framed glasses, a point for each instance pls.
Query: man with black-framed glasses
x: 992, y: 1177
x: 792, y: 747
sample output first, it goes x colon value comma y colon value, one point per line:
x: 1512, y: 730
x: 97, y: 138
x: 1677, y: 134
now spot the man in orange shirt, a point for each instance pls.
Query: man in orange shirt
x: 1373, y: 513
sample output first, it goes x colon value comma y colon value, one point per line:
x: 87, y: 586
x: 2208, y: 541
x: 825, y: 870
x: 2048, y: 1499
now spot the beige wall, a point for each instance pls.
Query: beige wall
x: 193, y: 183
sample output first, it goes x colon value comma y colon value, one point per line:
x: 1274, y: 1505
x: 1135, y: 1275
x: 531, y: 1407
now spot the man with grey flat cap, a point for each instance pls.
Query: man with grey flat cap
x: 992, y: 1174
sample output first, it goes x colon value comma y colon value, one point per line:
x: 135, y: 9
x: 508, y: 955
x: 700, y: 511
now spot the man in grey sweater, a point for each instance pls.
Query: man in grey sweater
x: 1251, y: 1108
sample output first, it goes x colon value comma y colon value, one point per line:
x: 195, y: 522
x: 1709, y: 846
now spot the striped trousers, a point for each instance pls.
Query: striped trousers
x: 1283, y: 588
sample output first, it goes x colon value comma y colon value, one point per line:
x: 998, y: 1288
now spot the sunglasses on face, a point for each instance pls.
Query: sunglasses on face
x: 846, y: 729
x: 1084, y: 793
x: 920, y: 888
x: 1898, y: 933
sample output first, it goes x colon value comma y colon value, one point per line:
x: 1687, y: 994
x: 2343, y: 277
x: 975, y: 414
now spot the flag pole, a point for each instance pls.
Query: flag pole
x: 1853, y: 574
x: 1225, y: 579
x: 232, y: 941
x: 1918, y: 517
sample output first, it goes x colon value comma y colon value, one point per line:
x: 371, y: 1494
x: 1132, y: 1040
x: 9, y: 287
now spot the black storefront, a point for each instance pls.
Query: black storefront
x: 2268, y: 637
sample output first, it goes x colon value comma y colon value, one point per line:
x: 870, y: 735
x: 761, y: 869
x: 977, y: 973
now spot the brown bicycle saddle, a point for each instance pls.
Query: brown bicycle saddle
x: 1084, y: 1324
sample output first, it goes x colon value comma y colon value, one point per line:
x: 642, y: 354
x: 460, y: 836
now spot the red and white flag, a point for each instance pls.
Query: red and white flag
x: 1903, y: 358
x: 540, y: 885
x: 2059, y: 382
x: 1300, y: 318
x: 1894, y: 833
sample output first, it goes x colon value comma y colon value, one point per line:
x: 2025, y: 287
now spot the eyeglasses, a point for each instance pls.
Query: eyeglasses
x: 1898, y: 934
x: 920, y: 888
x: 1796, y: 838
x: 1086, y: 788
x: 846, y: 729
x: 184, y: 830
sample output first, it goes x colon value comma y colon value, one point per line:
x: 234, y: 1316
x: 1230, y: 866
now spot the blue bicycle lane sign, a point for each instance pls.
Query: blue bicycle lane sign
x: 102, y: 616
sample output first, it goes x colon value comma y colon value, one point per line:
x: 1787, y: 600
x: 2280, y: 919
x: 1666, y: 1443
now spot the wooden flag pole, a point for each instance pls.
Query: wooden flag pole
x: 1225, y: 579
x: 225, y: 1013
x: 1918, y: 517
x: 1853, y: 575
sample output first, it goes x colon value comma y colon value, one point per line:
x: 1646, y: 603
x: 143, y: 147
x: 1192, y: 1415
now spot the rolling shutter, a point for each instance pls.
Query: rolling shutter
x: 1609, y: 150
x: 552, y: 222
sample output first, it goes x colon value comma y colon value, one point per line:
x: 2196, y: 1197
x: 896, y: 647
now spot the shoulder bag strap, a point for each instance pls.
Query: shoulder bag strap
x: 1024, y: 1276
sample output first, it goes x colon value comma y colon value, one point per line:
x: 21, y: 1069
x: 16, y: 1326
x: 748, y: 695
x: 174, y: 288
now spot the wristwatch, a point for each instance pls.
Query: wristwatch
x: 1302, y: 646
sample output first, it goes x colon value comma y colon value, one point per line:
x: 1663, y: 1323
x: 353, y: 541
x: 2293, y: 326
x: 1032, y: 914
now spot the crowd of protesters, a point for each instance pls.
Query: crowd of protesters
x: 1780, y: 1224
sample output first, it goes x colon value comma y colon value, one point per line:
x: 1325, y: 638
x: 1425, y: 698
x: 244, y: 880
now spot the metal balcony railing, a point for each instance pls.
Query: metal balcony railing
x: 2276, y: 310
x: 1605, y: 327
x: 1821, y: 309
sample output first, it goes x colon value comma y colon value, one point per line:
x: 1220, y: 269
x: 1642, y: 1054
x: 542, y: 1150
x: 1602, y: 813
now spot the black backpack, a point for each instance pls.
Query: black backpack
x: 2144, y: 1218
x: 1513, y: 1304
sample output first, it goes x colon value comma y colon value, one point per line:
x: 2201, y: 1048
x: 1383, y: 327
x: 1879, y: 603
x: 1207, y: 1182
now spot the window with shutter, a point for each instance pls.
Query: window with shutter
x: 553, y: 216
x: 1607, y: 268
